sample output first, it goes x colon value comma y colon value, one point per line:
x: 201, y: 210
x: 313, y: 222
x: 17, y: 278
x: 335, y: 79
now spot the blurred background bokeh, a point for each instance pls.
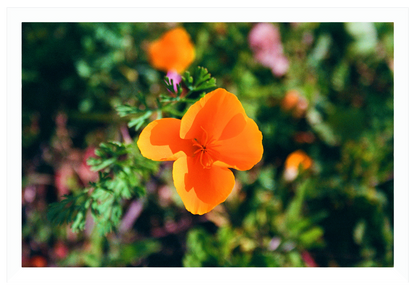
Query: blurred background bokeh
x: 321, y: 93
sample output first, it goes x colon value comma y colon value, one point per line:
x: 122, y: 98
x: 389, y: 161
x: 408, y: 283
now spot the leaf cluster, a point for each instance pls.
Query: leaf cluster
x: 201, y: 80
x: 122, y: 175
x: 166, y: 103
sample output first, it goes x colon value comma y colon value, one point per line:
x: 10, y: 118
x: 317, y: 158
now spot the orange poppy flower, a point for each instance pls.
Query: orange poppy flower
x: 215, y: 134
x: 290, y: 100
x: 294, y: 161
x: 173, y: 51
x: 293, y: 100
x: 297, y: 158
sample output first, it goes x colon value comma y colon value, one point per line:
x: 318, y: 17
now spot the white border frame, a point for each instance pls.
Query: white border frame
x: 341, y: 277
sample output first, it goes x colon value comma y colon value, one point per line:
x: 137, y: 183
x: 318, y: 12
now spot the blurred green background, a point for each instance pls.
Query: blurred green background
x: 338, y: 212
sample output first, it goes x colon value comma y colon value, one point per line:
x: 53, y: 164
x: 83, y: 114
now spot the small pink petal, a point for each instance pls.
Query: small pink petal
x: 177, y: 78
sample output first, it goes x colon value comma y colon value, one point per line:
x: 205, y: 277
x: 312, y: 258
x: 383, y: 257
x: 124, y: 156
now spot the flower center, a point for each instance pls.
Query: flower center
x: 204, y: 150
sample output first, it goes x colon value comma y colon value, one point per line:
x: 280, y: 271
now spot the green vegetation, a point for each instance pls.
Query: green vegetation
x: 91, y: 199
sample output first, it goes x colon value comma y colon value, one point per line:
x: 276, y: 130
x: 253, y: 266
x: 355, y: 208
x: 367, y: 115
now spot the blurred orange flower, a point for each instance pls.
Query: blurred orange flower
x: 294, y: 161
x: 297, y: 158
x: 174, y: 51
x: 215, y: 134
x: 293, y: 100
x: 290, y: 100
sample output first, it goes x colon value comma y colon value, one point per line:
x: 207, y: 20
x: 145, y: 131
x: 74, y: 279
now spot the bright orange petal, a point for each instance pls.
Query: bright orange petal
x: 173, y: 51
x: 219, y: 113
x: 160, y: 140
x: 295, y: 159
x: 243, y: 151
x: 201, y: 189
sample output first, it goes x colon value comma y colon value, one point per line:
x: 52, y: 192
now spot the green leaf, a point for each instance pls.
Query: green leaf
x: 79, y: 222
x: 294, y: 211
x: 103, y: 164
x: 187, y: 79
x: 170, y: 86
x: 71, y: 209
x: 203, y: 80
x: 134, y: 252
x: 138, y: 122
x: 321, y: 49
x: 127, y: 110
x: 207, y: 84
x: 311, y: 237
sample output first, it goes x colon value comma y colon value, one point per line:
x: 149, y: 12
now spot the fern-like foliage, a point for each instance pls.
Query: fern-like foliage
x: 123, y: 171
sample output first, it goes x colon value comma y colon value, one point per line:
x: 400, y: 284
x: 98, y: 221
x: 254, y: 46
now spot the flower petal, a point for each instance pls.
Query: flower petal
x: 173, y: 51
x: 243, y: 151
x: 201, y: 189
x: 219, y: 113
x: 297, y: 158
x: 175, y: 78
x: 160, y: 140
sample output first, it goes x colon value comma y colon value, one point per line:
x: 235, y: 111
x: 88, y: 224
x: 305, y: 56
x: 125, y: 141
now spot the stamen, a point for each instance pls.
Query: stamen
x: 204, y: 149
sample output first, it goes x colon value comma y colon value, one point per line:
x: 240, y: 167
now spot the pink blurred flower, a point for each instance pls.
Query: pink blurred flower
x: 264, y: 36
x: 307, y: 258
x: 60, y: 250
x: 62, y: 176
x: 281, y: 65
x: 264, y: 40
x: 176, y: 77
x: 75, y: 168
x: 84, y: 171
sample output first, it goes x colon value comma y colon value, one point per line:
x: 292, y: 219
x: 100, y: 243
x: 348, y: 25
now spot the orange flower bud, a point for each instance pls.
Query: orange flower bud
x: 293, y: 162
x: 290, y: 100
x: 297, y: 158
x: 172, y: 51
x: 296, y: 102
